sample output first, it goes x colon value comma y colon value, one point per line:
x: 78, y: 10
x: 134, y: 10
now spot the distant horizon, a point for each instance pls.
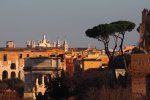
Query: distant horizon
x: 51, y: 42
x: 30, y: 19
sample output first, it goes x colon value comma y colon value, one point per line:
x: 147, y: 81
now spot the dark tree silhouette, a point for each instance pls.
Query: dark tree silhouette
x: 57, y: 88
x: 103, y: 32
x: 122, y: 27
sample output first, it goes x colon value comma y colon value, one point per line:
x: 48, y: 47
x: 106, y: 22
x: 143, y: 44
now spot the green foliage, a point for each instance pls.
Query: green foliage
x: 3, y: 85
x: 99, y: 31
x: 13, y: 84
x: 123, y: 26
x: 104, y: 30
x: 58, y: 87
x: 93, y: 81
x: 138, y: 51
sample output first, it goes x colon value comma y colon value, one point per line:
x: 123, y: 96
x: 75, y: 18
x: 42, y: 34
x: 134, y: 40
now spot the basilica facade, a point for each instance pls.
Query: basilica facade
x: 45, y: 43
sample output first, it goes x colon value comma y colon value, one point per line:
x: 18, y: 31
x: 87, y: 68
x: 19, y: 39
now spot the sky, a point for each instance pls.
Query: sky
x: 22, y: 20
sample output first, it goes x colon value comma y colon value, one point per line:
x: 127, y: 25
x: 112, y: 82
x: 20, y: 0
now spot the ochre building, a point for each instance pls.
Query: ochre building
x: 12, y: 60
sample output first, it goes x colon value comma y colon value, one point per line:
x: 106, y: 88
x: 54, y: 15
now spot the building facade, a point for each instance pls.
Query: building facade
x: 140, y: 72
x: 84, y: 60
x: 69, y: 66
x: 37, y: 74
x: 12, y: 60
x: 45, y: 43
x: 91, y: 61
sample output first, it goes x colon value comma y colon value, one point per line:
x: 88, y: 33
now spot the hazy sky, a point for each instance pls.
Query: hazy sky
x: 22, y: 20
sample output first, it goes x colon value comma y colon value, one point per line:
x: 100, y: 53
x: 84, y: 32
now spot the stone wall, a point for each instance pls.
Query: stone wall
x: 144, y: 30
x: 37, y: 72
x: 140, y: 68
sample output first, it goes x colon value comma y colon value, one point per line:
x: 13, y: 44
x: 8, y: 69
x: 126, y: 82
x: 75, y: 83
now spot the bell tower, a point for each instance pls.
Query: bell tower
x: 65, y: 45
x: 144, y: 30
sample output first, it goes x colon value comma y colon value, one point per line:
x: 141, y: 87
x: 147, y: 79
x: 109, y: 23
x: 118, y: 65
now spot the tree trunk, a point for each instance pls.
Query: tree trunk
x: 122, y: 54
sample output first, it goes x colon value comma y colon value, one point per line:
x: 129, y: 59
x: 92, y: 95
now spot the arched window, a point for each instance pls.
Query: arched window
x: 40, y: 80
x: 28, y: 55
x: 13, y: 75
x: 5, y: 57
x: 13, y: 66
x: 5, y: 75
x: 20, y: 56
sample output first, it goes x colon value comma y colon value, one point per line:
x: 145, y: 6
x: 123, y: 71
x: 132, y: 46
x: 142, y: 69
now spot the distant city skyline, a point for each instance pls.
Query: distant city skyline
x: 30, y: 19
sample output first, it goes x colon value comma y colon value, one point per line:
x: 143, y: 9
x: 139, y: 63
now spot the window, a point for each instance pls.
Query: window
x: 5, y: 57
x: 13, y: 75
x: 40, y: 80
x: 20, y: 55
x: 5, y: 75
x: 28, y: 55
x: 13, y: 66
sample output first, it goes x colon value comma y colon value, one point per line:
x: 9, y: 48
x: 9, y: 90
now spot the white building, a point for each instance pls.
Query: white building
x: 44, y: 42
x: 58, y: 44
x: 10, y: 44
x: 65, y: 46
x: 54, y: 44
